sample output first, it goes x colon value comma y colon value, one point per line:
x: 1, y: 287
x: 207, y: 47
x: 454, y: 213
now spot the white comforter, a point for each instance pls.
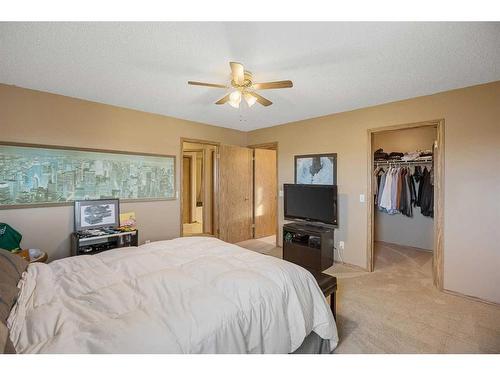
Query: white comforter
x: 187, y: 295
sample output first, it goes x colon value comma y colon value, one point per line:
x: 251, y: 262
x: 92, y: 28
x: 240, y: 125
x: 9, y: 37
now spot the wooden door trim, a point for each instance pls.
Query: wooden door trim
x: 439, y: 153
x: 272, y: 146
x: 200, y: 141
x: 266, y: 146
x: 194, y: 154
x: 216, y: 185
x: 212, y: 196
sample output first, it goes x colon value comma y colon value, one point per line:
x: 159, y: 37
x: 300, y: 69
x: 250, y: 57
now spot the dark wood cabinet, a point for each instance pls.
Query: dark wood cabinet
x: 308, y: 246
x: 97, y: 244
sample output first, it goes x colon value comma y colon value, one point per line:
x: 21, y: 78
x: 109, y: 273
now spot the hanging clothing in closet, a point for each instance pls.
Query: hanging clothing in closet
x: 427, y: 194
x: 396, y: 192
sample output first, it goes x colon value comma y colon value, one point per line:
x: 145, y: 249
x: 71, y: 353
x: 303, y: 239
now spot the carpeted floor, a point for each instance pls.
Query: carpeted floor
x: 396, y: 308
x: 190, y: 229
x: 265, y: 245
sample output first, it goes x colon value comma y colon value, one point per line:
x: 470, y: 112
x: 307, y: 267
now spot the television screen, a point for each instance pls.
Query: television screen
x: 98, y: 213
x: 311, y: 202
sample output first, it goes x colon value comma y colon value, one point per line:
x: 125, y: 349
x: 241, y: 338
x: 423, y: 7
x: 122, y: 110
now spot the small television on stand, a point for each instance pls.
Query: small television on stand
x: 316, y: 204
x: 97, y: 214
x: 97, y: 223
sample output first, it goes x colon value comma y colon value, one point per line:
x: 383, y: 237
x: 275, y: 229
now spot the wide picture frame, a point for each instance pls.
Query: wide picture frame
x: 33, y: 175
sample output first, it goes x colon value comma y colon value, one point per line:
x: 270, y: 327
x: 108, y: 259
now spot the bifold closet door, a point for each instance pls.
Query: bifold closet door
x: 265, y: 192
x: 235, y: 193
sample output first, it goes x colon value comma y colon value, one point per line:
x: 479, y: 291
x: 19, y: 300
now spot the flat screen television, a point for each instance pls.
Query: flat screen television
x: 97, y: 213
x: 316, y: 203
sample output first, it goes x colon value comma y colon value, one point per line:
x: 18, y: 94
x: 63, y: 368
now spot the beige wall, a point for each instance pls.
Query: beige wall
x: 472, y: 181
x: 418, y: 230
x: 29, y: 116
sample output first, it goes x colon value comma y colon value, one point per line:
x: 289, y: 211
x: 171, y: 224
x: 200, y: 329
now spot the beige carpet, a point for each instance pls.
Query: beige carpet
x: 190, y: 229
x: 265, y: 245
x: 396, y: 309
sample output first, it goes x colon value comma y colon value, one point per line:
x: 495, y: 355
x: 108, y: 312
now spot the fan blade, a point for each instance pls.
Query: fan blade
x: 238, y: 72
x: 261, y: 99
x: 272, y: 85
x: 207, y: 84
x: 223, y: 100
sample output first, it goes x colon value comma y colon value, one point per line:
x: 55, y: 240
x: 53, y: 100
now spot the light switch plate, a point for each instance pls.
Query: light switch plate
x: 280, y: 193
x: 362, y: 198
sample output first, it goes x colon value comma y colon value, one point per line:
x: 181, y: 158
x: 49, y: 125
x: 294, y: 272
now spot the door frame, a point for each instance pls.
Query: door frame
x: 268, y: 146
x: 181, y: 191
x: 215, y: 202
x: 194, y: 165
x: 439, y: 151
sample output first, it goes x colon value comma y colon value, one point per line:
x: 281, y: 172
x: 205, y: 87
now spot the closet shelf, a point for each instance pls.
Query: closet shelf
x: 401, y: 162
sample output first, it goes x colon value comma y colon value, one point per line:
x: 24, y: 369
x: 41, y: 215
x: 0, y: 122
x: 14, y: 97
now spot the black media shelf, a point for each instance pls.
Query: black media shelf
x: 308, y: 245
x: 97, y: 244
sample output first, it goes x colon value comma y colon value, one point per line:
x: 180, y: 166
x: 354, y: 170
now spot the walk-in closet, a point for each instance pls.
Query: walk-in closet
x: 403, y: 188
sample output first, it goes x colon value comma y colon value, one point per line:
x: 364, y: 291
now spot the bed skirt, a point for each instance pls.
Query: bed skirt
x: 313, y: 344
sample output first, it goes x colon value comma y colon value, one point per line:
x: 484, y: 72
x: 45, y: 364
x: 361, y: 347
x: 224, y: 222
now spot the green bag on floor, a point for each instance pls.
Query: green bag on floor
x: 10, y: 239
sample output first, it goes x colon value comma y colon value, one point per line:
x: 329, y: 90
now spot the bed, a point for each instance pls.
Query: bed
x: 187, y: 295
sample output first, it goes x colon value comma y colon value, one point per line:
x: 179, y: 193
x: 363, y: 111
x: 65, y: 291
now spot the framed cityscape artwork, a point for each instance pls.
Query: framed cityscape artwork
x: 35, y: 175
x: 317, y: 169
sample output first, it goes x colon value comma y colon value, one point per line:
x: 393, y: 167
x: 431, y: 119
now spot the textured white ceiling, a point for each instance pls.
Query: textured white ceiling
x: 334, y: 66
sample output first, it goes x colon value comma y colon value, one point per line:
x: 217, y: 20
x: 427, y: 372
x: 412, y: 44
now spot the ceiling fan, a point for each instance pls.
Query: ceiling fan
x: 242, y: 85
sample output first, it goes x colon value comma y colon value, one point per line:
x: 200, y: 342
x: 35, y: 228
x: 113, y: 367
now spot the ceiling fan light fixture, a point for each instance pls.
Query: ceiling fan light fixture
x: 243, y: 86
x: 250, y: 99
x: 235, y: 99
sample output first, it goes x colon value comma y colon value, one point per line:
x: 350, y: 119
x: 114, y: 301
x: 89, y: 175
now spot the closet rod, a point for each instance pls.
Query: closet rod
x: 401, y: 162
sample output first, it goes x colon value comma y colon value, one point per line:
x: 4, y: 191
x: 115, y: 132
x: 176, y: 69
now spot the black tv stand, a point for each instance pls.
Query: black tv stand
x: 308, y: 245
x: 312, y: 225
x: 84, y: 244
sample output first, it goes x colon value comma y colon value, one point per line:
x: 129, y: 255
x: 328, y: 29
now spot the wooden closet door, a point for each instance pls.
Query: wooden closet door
x: 265, y: 192
x: 235, y: 192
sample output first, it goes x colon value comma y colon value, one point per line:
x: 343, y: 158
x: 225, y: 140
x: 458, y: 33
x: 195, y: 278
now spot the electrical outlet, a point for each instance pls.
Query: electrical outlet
x: 341, y: 245
x: 147, y: 241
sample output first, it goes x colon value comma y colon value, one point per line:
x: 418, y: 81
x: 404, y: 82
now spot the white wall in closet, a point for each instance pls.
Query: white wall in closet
x: 416, y: 231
